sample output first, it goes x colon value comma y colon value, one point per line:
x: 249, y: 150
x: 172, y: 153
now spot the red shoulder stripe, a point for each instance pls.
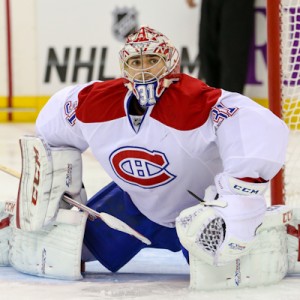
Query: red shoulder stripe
x: 186, y: 105
x: 102, y: 101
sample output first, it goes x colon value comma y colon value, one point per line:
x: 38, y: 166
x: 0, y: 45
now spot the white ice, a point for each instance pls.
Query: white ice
x: 152, y: 274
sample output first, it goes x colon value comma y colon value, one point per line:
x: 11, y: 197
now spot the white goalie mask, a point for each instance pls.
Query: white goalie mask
x: 145, y: 60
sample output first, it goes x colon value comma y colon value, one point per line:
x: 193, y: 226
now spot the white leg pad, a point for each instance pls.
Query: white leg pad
x: 5, y: 234
x: 47, y: 174
x: 261, y: 266
x: 53, y: 252
x: 294, y: 243
x: 266, y: 263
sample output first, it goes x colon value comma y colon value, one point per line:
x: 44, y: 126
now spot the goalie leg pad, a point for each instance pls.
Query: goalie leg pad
x: 266, y: 263
x: 54, y: 252
x: 261, y: 266
x: 47, y: 173
x: 5, y: 234
x: 294, y: 243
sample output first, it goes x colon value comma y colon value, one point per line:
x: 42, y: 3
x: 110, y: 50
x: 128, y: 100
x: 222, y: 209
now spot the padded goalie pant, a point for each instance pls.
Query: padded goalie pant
x: 112, y: 248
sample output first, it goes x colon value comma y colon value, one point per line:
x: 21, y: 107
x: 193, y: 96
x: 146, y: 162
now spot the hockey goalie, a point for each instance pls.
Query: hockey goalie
x: 189, y: 165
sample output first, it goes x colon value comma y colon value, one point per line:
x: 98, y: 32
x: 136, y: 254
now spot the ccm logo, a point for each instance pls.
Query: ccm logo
x: 245, y: 190
x: 36, y: 179
x: 286, y: 217
x: 9, y: 207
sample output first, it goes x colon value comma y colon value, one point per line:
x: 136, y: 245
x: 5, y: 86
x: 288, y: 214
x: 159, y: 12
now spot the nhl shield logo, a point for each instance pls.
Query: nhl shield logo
x: 125, y: 22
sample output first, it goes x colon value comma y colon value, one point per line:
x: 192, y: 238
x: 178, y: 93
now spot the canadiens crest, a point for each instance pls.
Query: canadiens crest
x: 141, y: 167
x: 125, y: 22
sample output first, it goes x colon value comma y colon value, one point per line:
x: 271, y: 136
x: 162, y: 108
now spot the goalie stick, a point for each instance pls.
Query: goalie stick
x: 108, y: 219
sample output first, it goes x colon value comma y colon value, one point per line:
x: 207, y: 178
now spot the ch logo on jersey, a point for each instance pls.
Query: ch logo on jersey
x: 220, y: 113
x: 141, y: 167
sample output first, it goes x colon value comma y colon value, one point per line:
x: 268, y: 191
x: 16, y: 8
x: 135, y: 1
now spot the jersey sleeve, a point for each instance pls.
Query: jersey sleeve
x: 57, y: 123
x: 252, y: 141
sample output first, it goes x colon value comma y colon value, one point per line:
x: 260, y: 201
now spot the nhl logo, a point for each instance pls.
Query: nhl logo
x: 125, y: 22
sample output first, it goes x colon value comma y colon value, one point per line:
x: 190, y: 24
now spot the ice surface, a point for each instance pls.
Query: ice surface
x: 153, y: 274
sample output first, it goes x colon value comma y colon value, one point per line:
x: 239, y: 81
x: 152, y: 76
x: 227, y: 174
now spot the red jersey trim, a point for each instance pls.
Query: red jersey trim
x: 102, y: 101
x: 253, y: 180
x: 186, y: 105
x: 4, y: 223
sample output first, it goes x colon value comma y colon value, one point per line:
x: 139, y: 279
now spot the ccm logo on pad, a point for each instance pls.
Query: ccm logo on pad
x: 36, y: 179
x: 245, y: 190
x: 141, y: 167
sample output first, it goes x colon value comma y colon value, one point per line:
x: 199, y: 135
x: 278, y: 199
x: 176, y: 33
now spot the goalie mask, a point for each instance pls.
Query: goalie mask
x: 146, y: 59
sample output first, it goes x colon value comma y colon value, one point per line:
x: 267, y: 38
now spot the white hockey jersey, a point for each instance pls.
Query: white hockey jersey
x: 192, y: 134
